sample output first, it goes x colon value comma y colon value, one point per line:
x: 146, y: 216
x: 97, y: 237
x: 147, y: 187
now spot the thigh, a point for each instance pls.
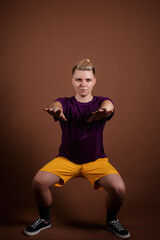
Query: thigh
x: 45, y: 179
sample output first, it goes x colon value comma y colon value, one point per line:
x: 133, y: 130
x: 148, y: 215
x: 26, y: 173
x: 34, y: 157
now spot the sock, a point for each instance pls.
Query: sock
x: 111, y: 216
x: 44, y: 212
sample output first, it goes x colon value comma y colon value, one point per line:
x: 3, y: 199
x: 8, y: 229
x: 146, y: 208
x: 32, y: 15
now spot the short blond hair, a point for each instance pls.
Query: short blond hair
x: 84, y: 65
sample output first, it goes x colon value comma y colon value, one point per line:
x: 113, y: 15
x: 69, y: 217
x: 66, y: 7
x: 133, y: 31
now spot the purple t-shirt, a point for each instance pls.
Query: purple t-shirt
x: 82, y: 142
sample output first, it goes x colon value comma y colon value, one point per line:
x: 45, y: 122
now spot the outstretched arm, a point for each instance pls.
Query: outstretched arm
x: 56, y: 110
x: 106, y: 110
x: 108, y: 106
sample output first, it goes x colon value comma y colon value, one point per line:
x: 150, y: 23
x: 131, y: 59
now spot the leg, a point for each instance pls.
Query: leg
x: 41, y: 184
x: 115, y: 187
x: 59, y: 170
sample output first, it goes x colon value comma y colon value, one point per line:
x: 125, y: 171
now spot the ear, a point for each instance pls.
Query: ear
x: 95, y: 80
x: 72, y: 80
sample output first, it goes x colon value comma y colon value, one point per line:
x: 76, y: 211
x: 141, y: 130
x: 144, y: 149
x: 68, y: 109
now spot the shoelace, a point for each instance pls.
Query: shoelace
x: 36, y: 223
x: 118, y: 226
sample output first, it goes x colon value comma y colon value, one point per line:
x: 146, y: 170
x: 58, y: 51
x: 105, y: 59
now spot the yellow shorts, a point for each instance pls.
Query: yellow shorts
x: 67, y: 170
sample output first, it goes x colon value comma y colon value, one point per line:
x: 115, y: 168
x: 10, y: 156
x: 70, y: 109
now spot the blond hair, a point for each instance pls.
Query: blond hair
x: 84, y: 65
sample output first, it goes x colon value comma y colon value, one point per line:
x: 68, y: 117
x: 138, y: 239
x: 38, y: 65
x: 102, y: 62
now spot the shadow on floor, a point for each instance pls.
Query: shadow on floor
x: 15, y: 222
x: 84, y: 225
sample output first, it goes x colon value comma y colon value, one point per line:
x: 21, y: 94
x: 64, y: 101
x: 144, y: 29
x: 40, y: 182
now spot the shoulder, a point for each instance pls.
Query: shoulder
x: 101, y: 99
x: 63, y: 99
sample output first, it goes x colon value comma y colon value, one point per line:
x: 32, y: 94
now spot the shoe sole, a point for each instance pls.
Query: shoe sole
x: 36, y: 232
x: 118, y: 235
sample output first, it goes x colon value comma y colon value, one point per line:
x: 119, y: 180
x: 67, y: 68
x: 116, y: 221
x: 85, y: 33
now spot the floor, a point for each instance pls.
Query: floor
x: 142, y: 225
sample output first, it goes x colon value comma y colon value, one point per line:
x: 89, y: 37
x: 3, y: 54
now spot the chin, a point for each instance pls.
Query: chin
x: 83, y: 95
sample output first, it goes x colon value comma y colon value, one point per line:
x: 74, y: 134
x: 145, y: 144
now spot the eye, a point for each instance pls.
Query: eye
x: 88, y: 80
x: 78, y: 79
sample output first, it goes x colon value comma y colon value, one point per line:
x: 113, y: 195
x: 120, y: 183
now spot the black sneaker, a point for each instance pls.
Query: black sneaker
x: 37, y: 226
x: 117, y: 229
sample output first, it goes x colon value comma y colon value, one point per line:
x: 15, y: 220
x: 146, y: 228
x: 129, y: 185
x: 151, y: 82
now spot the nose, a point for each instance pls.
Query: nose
x: 83, y: 83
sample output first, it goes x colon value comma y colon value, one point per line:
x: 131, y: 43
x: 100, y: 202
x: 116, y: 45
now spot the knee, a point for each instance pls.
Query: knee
x: 38, y: 183
x: 119, y: 189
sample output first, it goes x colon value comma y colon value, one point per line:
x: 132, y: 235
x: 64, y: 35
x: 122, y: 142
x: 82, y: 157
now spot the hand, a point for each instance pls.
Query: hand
x: 56, y: 112
x: 99, y: 114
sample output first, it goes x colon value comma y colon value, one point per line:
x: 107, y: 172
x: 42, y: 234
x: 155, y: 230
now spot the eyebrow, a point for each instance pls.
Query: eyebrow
x: 85, y: 79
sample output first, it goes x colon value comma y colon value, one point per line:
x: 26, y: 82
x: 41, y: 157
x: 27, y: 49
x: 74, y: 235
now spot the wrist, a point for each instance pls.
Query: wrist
x: 107, y: 112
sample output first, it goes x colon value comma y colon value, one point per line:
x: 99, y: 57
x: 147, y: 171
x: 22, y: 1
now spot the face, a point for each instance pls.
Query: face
x: 83, y: 82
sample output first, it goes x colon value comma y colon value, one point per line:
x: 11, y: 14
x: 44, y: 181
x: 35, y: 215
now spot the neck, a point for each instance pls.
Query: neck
x: 84, y: 99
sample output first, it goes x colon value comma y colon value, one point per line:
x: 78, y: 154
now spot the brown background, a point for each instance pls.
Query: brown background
x: 40, y: 43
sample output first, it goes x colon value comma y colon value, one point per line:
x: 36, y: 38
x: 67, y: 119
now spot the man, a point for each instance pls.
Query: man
x: 82, y: 119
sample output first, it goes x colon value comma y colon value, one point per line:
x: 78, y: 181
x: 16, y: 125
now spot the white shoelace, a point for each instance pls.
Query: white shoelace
x: 118, y: 225
x: 36, y: 223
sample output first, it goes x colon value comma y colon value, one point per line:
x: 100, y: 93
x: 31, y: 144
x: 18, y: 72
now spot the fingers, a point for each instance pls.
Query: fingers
x: 45, y: 109
x: 102, y: 110
x: 63, y: 118
x: 92, y: 116
x: 52, y: 110
x: 56, y: 112
x: 97, y: 115
x: 60, y: 115
x: 48, y: 109
x: 90, y: 119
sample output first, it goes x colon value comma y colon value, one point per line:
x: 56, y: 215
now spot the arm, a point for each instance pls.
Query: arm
x: 105, y: 111
x: 56, y: 105
x: 56, y: 110
x: 108, y: 107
